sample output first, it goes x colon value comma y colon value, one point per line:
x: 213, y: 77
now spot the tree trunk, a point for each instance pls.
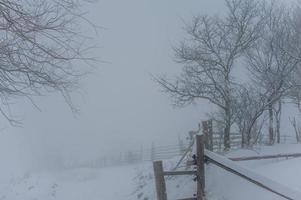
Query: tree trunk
x: 249, y: 136
x: 294, y: 123
x: 227, y: 128
x: 278, y: 120
x: 227, y: 137
x: 227, y: 113
x: 271, y: 129
x: 244, y: 136
x: 243, y: 141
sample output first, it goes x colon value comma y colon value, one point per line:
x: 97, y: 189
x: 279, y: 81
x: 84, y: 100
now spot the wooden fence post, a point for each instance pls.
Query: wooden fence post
x: 200, y: 139
x: 159, y: 180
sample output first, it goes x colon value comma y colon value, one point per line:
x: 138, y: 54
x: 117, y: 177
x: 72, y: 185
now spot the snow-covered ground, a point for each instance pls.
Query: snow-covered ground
x: 222, y: 185
x: 136, y: 181
x: 76, y: 184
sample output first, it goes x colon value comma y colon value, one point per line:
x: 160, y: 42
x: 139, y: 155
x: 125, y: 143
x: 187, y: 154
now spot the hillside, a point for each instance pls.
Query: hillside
x: 135, y: 182
x: 75, y: 184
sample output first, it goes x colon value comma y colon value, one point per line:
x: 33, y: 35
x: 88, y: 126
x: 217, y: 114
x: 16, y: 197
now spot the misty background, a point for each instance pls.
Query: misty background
x: 121, y: 107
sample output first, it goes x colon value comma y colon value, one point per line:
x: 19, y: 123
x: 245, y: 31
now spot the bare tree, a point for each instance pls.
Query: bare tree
x: 209, y: 56
x: 249, y: 107
x: 270, y: 64
x: 294, y: 50
x: 39, y: 42
x: 296, y: 128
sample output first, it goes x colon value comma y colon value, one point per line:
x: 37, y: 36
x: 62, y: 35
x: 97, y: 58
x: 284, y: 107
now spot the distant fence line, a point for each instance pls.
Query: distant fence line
x: 131, y: 157
x: 214, y: 141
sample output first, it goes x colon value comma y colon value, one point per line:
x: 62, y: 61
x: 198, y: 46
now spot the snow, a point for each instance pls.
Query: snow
x: 273, y: 185
x: 136, y: 182
x: 286, y: 171
x: 222, y: 185
x: 263, y: 179
x: 266, y: 150
x: 282, y: 175
x: 75, y: 184
x: 177, y: 186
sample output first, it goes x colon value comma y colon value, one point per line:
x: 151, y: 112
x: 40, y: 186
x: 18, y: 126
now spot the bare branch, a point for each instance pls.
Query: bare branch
x: 40, y: 41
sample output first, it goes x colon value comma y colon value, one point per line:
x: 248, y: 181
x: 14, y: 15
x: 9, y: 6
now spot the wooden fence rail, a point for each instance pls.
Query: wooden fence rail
x: 292, y: 155
x: 227, y: 164
x: 251, y: 177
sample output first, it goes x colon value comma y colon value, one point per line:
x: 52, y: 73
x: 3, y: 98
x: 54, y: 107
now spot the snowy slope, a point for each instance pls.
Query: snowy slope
x: 76, y: 184
x: 136, y: 182
x: 286, y: 172
x: 222, y: 185
x: 177, y: 187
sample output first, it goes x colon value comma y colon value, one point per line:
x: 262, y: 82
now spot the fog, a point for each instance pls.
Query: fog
x: 124, y: 121
x: 121, y: 107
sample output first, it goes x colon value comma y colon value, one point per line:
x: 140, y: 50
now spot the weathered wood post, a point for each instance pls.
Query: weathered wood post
x: 159, y: 180
x: 200, y: 139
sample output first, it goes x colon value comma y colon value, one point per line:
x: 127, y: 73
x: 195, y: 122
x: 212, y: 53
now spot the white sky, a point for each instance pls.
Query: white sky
x: 121, y: 107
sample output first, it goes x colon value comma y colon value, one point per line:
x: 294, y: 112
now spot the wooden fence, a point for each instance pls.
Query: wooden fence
x: 205, y: 156
x: 214, y: 140
x: 199, y: 173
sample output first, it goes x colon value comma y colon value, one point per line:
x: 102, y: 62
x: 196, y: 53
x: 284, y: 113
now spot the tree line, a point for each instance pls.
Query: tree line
x: 246, y: 62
